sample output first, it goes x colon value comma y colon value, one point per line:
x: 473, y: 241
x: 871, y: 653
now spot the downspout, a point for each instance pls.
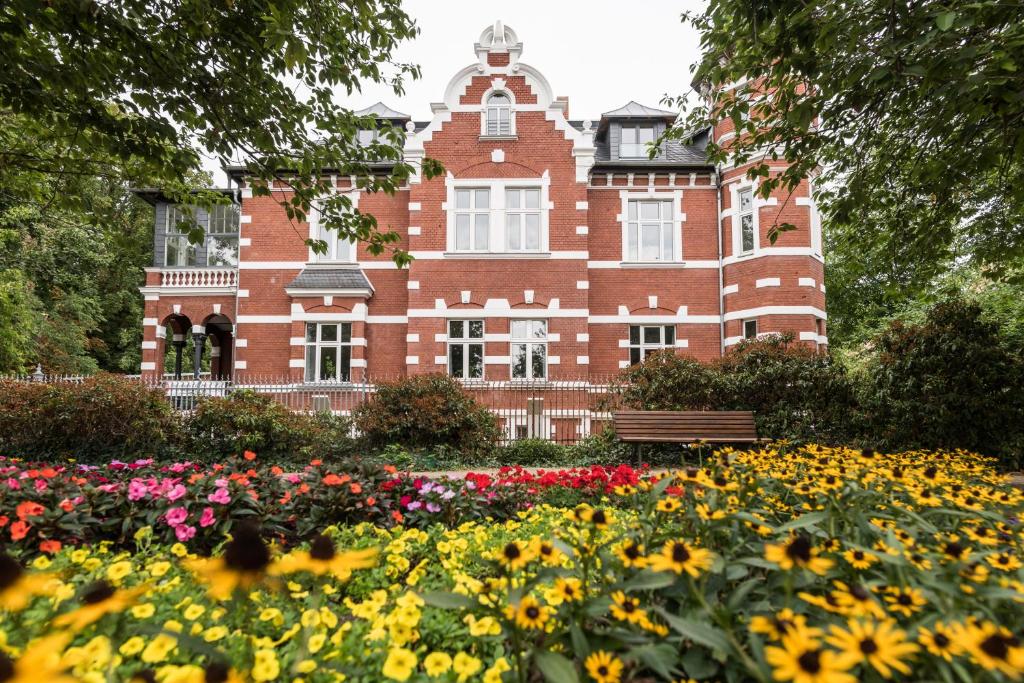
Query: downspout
x: 238, y: 269
x: 721, y: 265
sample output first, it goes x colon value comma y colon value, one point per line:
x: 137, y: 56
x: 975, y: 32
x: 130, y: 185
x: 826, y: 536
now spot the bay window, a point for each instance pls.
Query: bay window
x: 466, y: 349
x: 646, y: 339
x: 529, y: 349
x: 328, y: 352
x: 222, y: 236
x: 650, y: 232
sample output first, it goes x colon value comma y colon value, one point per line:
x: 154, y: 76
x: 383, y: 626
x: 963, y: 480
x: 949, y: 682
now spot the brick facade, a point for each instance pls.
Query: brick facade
x: 581, y: 281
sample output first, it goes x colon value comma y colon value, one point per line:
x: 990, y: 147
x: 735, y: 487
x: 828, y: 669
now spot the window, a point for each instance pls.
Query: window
x: 222, y: 236
x: 750, y: 329
x: 650, y: 230
x: 522, y: 219
x: 636, y: 141
x: 745, y: 214
x: 644, y: 340
x: 466, y: 348
x: 529, y: 349
x: 328, y: 352
x: 178, y: 250
x: 337, y: 249
x: 472, y: 219
x: 366, y: 136
x: 498, y: 115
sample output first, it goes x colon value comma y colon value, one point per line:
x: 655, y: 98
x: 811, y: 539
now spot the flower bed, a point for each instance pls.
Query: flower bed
x: 817, y: 565
x: 46, y: 507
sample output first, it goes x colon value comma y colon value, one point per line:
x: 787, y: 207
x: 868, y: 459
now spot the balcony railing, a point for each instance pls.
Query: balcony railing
x: 193, y: 278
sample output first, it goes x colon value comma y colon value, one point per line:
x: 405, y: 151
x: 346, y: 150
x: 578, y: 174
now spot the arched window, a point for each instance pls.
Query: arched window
x: 499, y: 115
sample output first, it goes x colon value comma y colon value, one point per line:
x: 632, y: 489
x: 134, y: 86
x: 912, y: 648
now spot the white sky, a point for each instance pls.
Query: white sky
x: 599, y: 53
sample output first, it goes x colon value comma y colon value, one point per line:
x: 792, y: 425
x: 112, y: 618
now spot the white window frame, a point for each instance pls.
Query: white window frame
x: 473, y: 212
x: 531, y: 342
x: 737, y: 219
x: 220, y: 228
x: 677, y: 220
x: 332, y: 255
x: 645, y: 348
x: 172, y: 216
x: 497, y: 242
x: 521, y: 214
x: 639, y: 150
x: 486, y: 108
x: 318, y: 343
x: 743, y: 328
x: 466, y: 341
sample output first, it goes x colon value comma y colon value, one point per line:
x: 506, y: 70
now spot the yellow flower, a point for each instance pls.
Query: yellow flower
x: 40, y: 662
x: 880, y: 644
x: 626, y: 608
x: 158, y: 569
x: 860, y: 559
x: 143, y: 611
x: 437, y: 663
x: 631, y: 554
x: 265, y: 666
x: 515, y: 555
x: 493, y: 674
x: 941, y: 640
x: 679, y: 557
x: 18, y: 587
x: 118, y: 571
x: 905, y: 601
x: 466, y: 665
x: 798, y: 551
x: 670, y: 504
x: 323, y: 558
x: 399, y: 664
x: 215, y: 633
x: 529, y: 613
x: 99, y: 599
x: 242, y: 566
x: 801, y: 660
x: 604, y: 667
x: 158, y: 648
x: 994, y: 648
x: 179, y: 550
x: 193, y: 612
x: 783, y: 623
x: 132, y: 646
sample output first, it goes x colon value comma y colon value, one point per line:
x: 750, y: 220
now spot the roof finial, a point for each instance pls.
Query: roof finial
x: 499, y: 35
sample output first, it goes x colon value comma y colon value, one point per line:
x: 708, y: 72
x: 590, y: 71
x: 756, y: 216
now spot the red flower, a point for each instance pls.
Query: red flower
x: 50, y: 546
x: 316, y: 463
x: 29, y: 508
x: 355, y: 488
x: 66, y: 505
x: 3, y: 521
x: 249, y: 455
x: 19, y: 530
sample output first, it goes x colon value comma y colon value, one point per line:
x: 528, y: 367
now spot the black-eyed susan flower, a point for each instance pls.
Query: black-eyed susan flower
x: 546, y: 551
x: 679, y: 557
x: 39, y: 663
x: 529, y: 613
x: 515, y: 555
x: 798, y: 551
x: 857, y: 600
x: 1004, y: 562
x: 878, y: 643
x: 98, y: 599
x: 905, y: 600
x: 631, y: 554
x: 568, y: 589
x: 243, y: 564
x: 626, y: 608
x: 668, y: 504
x: 18, y: 587
x: 323, y: 558
x: 603, y: 667
x: 859, y: 559
x: 221, y: 672
x: 994, y: 648
x: 802, y: 660
x: 941, y: 640
x: 782, y: 623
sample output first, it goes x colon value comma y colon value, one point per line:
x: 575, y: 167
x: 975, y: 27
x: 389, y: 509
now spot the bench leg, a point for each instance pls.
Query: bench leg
x: 636, y: 454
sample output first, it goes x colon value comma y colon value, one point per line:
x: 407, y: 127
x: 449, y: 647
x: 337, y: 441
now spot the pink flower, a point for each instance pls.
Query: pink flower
x: 220, y: 496
x: 207, y: 518
x: 176, y: 492
x: 41, y: 485
x: 184, y: 532
x: 136, y: 490
x: 176, y: 516
x: 13, y: 484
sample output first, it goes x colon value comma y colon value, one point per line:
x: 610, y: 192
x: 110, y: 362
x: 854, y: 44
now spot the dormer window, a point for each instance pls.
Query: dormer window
x: 498, y: 115
x: 366, y: 136
x: 636, y: 141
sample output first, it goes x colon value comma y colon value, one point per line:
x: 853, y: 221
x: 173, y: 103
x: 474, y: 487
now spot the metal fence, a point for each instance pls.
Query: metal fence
x: 563, y: 411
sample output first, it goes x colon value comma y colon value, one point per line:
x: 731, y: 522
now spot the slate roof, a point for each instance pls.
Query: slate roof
x: 382, y: 111
x: 676, y: 154
x: 330, y: 278
x: 634, y: 109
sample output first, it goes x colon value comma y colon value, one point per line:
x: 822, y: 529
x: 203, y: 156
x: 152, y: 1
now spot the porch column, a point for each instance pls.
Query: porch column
x: 178, y: 343
x: 199, y: 341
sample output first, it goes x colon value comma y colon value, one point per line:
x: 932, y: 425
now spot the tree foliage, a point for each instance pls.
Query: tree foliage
x: 157, y: 84
x: 912, y: 113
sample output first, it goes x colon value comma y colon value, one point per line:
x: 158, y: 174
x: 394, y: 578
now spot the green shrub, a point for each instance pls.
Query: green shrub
x: 101, y: 418
x: 534, y: 453
x: 249, y: 421
x: 426, y: 411
x: 666, y: 381
x: 946, y: 383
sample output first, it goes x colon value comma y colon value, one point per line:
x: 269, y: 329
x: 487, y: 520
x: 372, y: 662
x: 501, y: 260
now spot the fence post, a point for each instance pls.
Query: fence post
x: 38, y: 375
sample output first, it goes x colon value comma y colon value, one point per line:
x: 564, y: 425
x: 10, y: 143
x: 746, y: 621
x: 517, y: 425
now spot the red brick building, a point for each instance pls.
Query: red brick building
x: 553, y: 248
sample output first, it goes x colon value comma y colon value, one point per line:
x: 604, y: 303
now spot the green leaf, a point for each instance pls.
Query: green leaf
x: 555, y: 667
x: 659, y: 658
x: 702, y: 634
x: 945, y: 20
x: 802, y: 522
x: 447, y: 600
x: 648, y: 580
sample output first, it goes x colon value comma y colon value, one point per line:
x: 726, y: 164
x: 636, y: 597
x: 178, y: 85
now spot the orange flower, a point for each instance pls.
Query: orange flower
x: 218, y: 468
x: 371, y: 501
x: 335, y: 480
x: 252, y: 494
x: 29, y: 508
x: 355, y: 488
x: 66, y: 505
x: 390, y: 469
x: 397, y: 516
x: 50, y: 546
x: 3, y: 521
x: 195, y: 477
x: 284, y: 499
x: 249, y: 455
x: 303, y: 489
x: 48, y: 473
x: 316, y: 463
x: 19, y: 530
x: 276, y: 471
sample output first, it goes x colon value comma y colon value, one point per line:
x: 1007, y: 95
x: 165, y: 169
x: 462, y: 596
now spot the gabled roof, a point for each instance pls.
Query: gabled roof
x: 382, y: 111
x: 319, y: 278
x: 634, y: 109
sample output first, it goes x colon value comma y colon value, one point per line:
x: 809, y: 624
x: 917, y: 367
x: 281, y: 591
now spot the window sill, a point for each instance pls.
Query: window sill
x: 652, y: 264
x: 332, y: 264
x: 497, y: 254
x: 487, y: 138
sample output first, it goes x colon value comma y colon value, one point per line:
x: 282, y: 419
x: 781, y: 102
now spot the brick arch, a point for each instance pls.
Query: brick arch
x: 490, y: 169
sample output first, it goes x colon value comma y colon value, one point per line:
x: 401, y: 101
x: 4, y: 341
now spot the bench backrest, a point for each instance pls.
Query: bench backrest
x: 670, y: 426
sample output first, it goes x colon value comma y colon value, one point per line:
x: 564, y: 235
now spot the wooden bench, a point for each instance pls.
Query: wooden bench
x: 687, y: 426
